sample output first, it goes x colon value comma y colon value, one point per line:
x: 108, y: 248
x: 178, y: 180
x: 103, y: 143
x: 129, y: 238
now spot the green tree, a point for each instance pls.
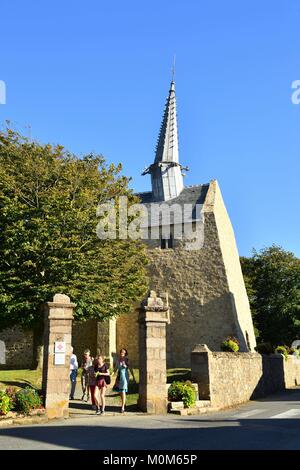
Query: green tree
x: 48, y: 240
x: 272, y: 278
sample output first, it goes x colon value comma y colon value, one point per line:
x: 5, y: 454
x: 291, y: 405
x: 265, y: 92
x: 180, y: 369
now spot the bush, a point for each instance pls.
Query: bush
x: 27, y: 399
x: 292, y: 351
x: 5, y: 403
x: 182, y: 391
x: 11, y: 392
x: 295, y: 352
x: 282, y: 350
x: 230, y: 344
x: 264, y: 348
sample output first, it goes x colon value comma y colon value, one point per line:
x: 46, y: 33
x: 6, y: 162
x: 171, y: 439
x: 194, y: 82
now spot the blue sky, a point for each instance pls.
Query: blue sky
x: 94, y: 76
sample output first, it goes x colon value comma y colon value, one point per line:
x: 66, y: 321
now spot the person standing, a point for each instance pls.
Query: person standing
x: 87, y: 361
x: 73, y: 372
x: 122, y: 367
x: 101, y: 370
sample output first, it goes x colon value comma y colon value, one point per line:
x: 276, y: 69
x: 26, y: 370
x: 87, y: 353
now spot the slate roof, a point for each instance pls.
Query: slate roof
x: 194, y: 195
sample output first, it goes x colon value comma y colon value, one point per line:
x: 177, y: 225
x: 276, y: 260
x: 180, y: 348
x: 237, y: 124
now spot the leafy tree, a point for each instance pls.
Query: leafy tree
x: 48, y: 241
x: 272, y: 278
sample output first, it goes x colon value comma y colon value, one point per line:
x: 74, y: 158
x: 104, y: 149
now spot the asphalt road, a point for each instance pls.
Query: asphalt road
x: 271, y: 423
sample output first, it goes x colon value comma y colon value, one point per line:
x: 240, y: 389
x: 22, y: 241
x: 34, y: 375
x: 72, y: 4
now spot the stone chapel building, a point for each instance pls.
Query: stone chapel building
x: 205, y: 286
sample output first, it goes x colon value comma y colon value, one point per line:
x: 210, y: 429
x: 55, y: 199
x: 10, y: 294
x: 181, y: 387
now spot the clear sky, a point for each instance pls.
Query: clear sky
x: 94, y: 76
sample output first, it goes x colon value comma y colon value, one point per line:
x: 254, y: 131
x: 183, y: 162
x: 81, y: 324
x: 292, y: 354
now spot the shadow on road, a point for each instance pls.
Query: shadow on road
x: 159, y: 433
x: 289, y: 394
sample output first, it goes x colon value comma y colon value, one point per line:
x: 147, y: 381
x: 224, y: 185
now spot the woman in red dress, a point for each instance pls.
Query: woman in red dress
x: 101, y: 371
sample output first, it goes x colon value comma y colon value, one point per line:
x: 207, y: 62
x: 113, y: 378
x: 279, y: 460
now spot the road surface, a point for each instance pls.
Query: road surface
x: 270, y: 423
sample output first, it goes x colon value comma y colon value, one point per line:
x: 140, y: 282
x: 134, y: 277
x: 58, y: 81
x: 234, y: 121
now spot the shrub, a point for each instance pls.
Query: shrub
x: 264, y: 348
x: 11, y: 392
x: 295, y: 352
x: 282, y: 350
x: 230, y: 344
x: 27, y: 399
x: 292, y: 351
x: 5, y: 404
x: 182, y: 391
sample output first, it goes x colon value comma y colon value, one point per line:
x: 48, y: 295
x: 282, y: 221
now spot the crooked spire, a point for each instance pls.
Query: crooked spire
x: 166, y: 175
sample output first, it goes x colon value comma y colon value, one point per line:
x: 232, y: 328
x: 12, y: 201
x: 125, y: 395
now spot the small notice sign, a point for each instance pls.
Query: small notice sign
x: 59, y: 347
x: 59, y: 359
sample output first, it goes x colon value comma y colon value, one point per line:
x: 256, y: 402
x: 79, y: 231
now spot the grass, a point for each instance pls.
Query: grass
x: 20, y: 378
x: 133, y: 389
x: 132, y: 395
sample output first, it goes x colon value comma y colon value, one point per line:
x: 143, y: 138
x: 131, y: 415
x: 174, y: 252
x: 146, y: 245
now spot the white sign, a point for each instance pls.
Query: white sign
x: 59, y: 359
x: 59, y: 347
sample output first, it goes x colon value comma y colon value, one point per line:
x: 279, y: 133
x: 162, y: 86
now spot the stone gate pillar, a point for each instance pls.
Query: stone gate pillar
x: 153, y: 318
x: 57, y: 350
x: 106, y: 339
x: 201, y: 369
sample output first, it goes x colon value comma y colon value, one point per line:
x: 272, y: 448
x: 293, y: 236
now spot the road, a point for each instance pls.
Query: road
x: 270, y: 423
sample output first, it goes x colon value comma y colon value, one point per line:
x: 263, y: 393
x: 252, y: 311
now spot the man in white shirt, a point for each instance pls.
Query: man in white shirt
x: 73, y: 373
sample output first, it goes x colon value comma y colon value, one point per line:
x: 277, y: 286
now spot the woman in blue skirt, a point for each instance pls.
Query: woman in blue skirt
x: 122, y: 381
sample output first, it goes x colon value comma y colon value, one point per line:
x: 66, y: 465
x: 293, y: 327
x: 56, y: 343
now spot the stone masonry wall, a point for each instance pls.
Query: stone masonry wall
x: 235, y: 378
x: 106, y: 340
x: 84, y: 336
x: 230, y: 256
x: 198, y: 297
x: 291, y: 372
x: 128, y: 336
x: 18, y: 348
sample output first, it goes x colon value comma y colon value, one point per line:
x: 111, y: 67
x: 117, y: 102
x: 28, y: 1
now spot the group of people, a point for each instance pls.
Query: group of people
x: 96, y: 377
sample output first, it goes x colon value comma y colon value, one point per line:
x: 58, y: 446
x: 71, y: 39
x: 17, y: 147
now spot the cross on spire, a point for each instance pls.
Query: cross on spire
x: 173, y: 68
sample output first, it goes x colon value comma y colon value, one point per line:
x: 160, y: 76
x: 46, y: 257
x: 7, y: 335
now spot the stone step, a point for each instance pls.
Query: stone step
x: 193, y: 411
x: 176, y: 405
x: 202, y: 403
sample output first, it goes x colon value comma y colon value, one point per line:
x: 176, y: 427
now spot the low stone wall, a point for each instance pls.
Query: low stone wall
x: 35, y: 417
x: 16, y: 349
x: 292, y: 372
x: 228, y: 379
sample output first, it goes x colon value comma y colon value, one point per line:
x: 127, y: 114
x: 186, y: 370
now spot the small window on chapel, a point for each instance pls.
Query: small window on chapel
x: 166, y: 242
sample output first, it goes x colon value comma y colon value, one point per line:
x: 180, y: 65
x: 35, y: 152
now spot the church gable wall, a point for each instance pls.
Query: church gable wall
x: 207, y: 295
